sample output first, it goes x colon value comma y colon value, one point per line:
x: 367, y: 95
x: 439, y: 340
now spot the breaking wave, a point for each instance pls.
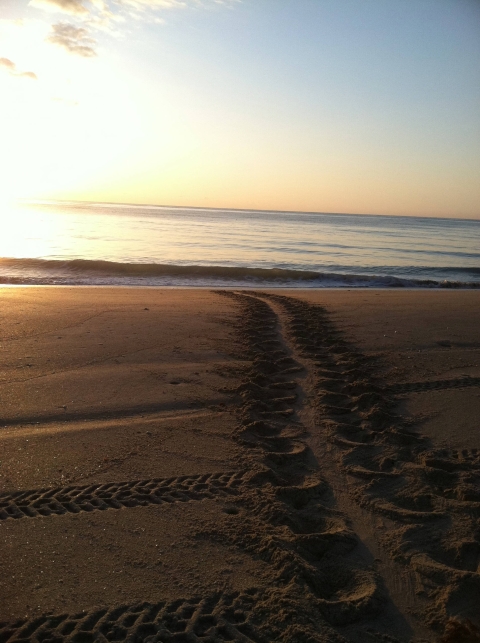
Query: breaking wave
x: 100, y: 272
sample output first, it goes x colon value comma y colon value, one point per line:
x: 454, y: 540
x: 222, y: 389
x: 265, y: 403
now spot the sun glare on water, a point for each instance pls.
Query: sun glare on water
x: 25, y: 232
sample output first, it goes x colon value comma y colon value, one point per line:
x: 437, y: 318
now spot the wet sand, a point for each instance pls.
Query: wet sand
x: 189, y: 465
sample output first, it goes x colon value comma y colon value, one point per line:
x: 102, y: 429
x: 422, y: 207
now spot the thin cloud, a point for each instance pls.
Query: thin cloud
x: 74, y: 7
x: 5, y: 62
x: 176, y: 4
x: 11, y: 68
x: 149, y: 10
x: 74, y: 39
x: 102, y: 15
x: 153, y: 4
x: 172, y: 4
x: 28, y: 74
x: 110, y: 8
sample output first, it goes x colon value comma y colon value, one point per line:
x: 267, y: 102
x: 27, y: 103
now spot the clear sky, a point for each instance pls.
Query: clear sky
x: 369, y: 106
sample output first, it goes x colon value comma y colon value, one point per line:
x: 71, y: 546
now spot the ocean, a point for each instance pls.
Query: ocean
x: 82, y: 243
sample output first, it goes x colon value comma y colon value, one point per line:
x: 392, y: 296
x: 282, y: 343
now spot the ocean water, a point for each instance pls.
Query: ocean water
x: 101, y: 244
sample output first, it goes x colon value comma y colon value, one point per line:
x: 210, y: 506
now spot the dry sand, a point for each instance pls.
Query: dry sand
x: 186, y: 465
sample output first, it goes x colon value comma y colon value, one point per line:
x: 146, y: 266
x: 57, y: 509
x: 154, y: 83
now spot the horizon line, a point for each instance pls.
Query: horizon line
x: 230, y: 209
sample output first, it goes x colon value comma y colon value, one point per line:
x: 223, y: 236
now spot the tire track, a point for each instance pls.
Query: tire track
x: 117, y: 495
x: 217, y: 618
x: 436, y: 385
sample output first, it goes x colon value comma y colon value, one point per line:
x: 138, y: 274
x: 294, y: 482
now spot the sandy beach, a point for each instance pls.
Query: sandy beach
x: 196, y: 465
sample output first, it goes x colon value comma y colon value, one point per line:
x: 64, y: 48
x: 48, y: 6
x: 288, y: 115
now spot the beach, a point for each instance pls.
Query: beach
x: 239, y: 306
x: 239, y: 465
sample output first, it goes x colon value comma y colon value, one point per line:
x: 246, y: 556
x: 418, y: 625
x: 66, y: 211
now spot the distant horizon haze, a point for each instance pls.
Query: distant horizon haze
x: 234, y: 209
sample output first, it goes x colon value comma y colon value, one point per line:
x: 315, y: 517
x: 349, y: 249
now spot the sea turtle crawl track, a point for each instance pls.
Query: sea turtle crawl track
x: 431, y: 496
x: 322, y: 586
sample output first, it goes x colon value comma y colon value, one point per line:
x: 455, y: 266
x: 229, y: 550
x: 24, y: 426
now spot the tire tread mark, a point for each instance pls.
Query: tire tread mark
x: 435, y: 385
x: 217, y: 618
x: 117, y: 495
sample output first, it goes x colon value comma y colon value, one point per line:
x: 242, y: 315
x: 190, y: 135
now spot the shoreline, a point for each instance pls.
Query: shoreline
x: 92, y: 272
x: 257, y: 287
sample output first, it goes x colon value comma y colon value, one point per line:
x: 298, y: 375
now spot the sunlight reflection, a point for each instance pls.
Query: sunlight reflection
x: 26, y: 232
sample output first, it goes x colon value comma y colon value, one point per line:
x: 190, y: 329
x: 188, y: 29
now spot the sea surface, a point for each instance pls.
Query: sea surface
x: 101, y: 244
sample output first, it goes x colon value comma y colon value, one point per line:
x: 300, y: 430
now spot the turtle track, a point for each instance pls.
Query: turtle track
x: 430, y: 496
x: 269, y: 392
x: 291, y: 521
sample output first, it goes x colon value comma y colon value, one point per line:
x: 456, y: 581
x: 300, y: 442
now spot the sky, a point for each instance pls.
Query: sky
x: 356, y: 106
